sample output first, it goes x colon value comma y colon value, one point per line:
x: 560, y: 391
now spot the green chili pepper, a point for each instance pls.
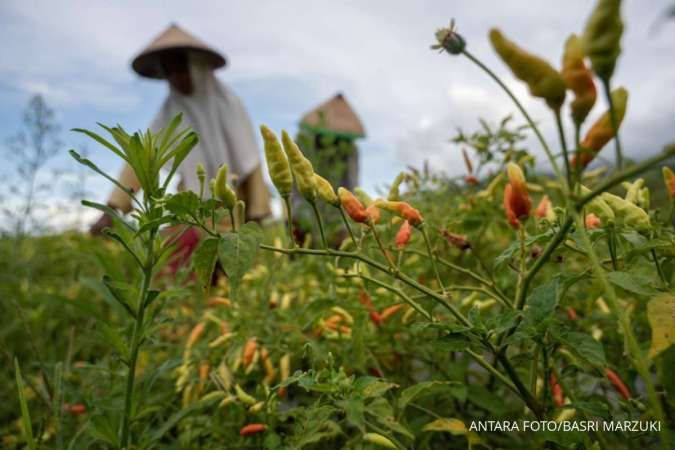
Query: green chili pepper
x: 224, y: 192
x: 601, y: 37
x: 542, y: 79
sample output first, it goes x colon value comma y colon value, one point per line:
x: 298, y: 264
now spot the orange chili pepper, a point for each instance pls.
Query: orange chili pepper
x: 352, y: 206
x: 195, y: 334
x: 592, y: 221
x: 390, y: 311
x: 517, y: 203
x: 403, y: 235
x: 249, y: 351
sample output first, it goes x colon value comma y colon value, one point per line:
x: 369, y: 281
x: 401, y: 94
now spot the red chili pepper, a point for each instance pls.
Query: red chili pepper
x: 461, y: 241
x: 557, y: 392
x: 374, y: 371
x: 471, y: 180
x: 572, y: 314
x: 252, y: 428
x: 620, y: 387
x: 75, y: 410
x: 375, y: 317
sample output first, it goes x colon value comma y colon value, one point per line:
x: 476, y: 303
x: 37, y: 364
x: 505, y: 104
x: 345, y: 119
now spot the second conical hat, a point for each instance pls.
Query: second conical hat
x: 334, y: 116
x: 147, y: 62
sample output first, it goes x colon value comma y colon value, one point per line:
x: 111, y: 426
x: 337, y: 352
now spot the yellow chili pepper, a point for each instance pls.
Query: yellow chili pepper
x: 301, y: 167
x: 631, y: 215
x: 394, y: 194
x: 602, y: 130
x: 541, y: 78
x: 380, y: 440
x: 277, y: 164
x: 325, y: 190
x: 578, y: 79
x: 599, y: 207
x: 602, y: 35
x: 244, y: 397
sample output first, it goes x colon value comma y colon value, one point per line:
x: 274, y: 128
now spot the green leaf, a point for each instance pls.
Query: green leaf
x: 109, y: 211
x: 183, y: 203
x: 661, y: 316
x: 237, y: 251
x: 418, y: 389
x: 25, y: 414
x: 176, y: 417
x: 101, y: 141
x: 112, y: 337
x: 94, y: 167
x: 123, y: 293
x: 630, y: 282
x: 101, y: 428
x: 542, y: 302
x: 585, y: 347
x: 372, y: 387
x: 204, y: 260
x: 354, y: 412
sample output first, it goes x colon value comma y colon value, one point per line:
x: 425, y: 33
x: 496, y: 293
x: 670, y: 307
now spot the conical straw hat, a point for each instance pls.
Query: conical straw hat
x: 173, y: 38
x: 336, y: 117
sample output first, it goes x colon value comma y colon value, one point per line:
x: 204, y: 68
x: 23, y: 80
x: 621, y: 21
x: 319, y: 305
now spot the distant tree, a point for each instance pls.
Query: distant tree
x: 30, y: 149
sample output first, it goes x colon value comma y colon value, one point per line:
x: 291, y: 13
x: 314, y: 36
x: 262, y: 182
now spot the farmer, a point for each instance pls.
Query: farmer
x: 212, y: 110
x: 327, y: 136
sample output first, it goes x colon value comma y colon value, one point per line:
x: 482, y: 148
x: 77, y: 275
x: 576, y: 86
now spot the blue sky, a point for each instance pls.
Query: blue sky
x: 286, y: 57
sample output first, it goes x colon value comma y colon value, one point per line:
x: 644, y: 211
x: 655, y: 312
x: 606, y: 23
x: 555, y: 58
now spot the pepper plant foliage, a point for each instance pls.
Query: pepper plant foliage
x: 510, y: 296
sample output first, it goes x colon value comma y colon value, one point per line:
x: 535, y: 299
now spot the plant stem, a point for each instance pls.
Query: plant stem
x: 533, y: 370
x: 662, y: 275
x: 639, y: 360
x: 615, y: 125
x: 289, y: 218
x: 542, y: 259
x: 382, y: 249
x: 520, y: 298
x: 320, y: 224
x: 524, y: 393
x: 534, y: 127
x: 563, y: 144
x: 382, y: 268
x: 346, y: 222
x: 234, y: 222
x: 416, y: 306
x: 136, y: 340
x: 611, y: 246
x: 432, y: 256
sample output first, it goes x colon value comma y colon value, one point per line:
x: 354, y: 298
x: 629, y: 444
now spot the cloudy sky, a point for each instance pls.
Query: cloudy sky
x: 286, y: 57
